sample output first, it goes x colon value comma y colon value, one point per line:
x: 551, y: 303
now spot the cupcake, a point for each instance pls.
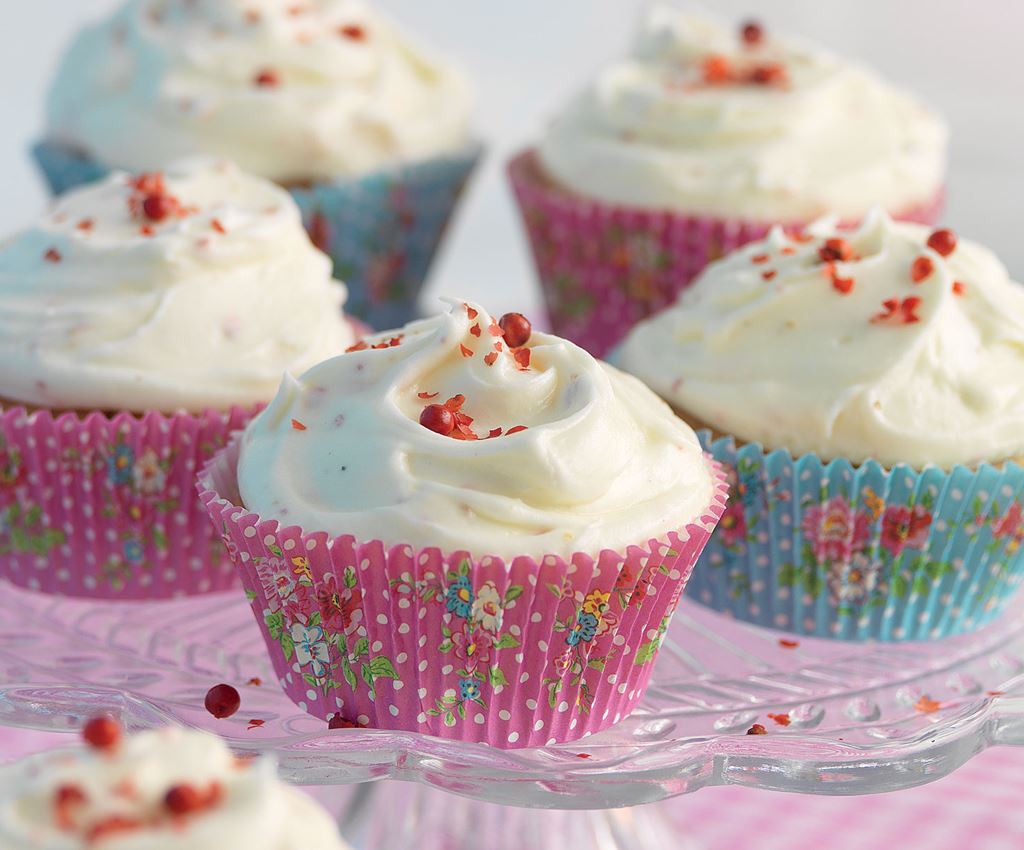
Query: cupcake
x: 164, y: 789
x: 868, y: 389
x: 696, y: 143
x: 328, y: 98
x: 142, y: 320
x: 465, y: 529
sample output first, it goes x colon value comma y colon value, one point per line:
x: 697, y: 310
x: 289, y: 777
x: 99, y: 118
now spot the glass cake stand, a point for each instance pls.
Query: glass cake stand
x: 840, y: 718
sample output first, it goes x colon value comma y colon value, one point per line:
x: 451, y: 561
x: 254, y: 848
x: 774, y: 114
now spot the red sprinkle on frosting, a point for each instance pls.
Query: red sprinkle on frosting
x: 267, y: 78
x: 898, y: 312
x: 516, y: 329
x: 921, y: 269
x: 942, y: 242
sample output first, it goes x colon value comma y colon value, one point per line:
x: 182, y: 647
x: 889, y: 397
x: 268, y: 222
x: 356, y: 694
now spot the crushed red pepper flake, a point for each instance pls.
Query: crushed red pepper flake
x: 298, y: 426
x: 760, y: 258
x: 65, y: 799
x: 898, y: 312
x: 146, y: 230
x: 942, y: 242
x: 921, y: 268
x: 842, y: 285
x: 959, y: 288
x: 494, y: 432
x: 427, y: 395
x: 466, y: 352
x: 582, y: 755
x: 768, y: 74
x: 255, y: 682
x: 475, y: 330
x: 757, y: 729
x: 353, y: 31
x: 926, y: 705
x: 994, y: 693
x: 752, y: 33
x: 515, y: 430
x: 835, y: 250
x: 86, y: 224
x: 787, y: 643
x: 472, y: 313
x: 788, y: 249
x: 716, y: 69
x: 780, y: 719
x: 216, y: 224
x: 268, y: 78
x: 522, y: 358
x: 393, y: 342
x: 769, y: 274
x: 362, y: 345
x: 490, y: 358
x: 255, y: 723
x: 52, y: 255
x: 494, y: 329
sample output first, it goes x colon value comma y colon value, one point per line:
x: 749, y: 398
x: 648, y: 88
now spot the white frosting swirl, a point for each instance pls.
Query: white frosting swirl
x: 102, y: 308
x: 343, y: 91
x: 833, y: 138
x: 253, y: 809
x: 766, y: 347
x: 602, y: 463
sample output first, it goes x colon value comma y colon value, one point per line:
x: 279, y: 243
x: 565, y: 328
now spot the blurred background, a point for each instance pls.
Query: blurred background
x: 963, y: 57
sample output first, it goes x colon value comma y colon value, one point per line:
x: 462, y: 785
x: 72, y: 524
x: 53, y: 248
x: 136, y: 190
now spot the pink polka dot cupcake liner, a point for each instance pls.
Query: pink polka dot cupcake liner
x: 603, y: 268
x: 105, y: 507
x: 514, y: 654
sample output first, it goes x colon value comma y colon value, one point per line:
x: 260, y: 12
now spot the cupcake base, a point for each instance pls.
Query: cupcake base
x: 604, y: 267
x: 862, y: 552
x: 515, y: 655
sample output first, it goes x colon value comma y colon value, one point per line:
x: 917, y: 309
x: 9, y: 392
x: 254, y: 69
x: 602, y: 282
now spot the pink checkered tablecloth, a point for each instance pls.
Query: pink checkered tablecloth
x: 977, y: 808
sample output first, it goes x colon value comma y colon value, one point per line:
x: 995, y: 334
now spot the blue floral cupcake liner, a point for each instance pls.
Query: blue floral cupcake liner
x: 861, y: 552
x: 381, y: 230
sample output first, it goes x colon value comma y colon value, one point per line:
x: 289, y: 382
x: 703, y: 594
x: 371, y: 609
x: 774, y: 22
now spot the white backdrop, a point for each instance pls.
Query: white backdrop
x: 963, y: 56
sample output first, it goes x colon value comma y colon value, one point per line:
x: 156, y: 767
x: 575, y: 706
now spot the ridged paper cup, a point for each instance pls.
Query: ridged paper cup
x: 604, y: 267
x: 862, y: 552
x: 105, y: 507
x: 381, y: 230
x: 514, y: 655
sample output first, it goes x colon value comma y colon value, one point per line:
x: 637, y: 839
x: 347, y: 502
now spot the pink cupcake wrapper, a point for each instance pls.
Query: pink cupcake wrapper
x: 104, y: 507
x: 474, y: 649
x: 605, y: 267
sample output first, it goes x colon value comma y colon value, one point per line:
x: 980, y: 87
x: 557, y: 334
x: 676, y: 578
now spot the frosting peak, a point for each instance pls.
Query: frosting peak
x: 890, y: 342
x: 552, y: 452
x: 702, y: 119
x: 192, y: 288
x: 292, y: 91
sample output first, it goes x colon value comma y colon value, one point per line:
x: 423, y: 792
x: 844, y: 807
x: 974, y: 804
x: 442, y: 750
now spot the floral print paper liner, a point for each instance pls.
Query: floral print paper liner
x: 862, y: 553
x: 603, y: 267
x: 104, y: 506
x: 381, y: 230
x: 515, y: 655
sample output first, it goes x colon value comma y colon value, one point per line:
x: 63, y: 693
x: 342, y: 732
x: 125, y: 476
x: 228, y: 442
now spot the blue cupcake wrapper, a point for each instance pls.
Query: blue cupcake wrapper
x: 381, y: 230
x: 861, y: 552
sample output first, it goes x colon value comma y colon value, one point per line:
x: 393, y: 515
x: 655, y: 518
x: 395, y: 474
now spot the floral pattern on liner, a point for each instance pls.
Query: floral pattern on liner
x: 104, y: 507
x: 381, y: 230
x: 515, y: 655
x: 603, y: 268
x: 833, y: 550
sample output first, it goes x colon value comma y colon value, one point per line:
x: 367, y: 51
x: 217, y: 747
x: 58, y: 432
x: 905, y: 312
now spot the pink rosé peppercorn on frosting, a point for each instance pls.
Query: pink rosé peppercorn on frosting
x: 711, y: 120
x: 291, y: 90
x: 160, y: 790
x: 894, y: 342
x: 188, y: 289
x: 466, y: 433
